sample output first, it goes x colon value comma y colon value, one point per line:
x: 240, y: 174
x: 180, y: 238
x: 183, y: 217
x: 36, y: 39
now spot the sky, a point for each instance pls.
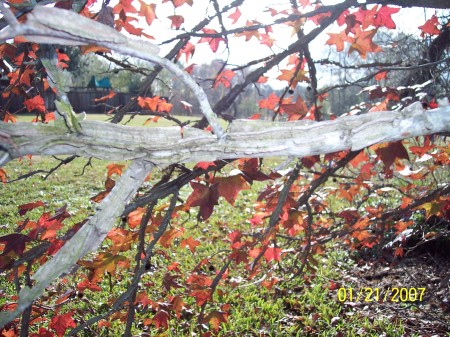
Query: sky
x: 243, y: 51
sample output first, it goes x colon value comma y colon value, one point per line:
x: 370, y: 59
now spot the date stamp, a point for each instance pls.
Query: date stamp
x: 368, y: 294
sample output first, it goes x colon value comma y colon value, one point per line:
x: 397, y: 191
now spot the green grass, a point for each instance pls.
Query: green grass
x: 300, y: 307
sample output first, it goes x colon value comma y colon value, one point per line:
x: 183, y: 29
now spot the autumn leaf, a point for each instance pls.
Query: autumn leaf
x: 135, y: 217
x: 430, y: 27
x: 362, y: 43
x: 215, y: 318
x: 381, y: 76
x: 337, y: 40
x: 3, y: 176
x: 229, y: 187
x: 35, y: 103
x: 293, y: 76
x: 177, y: 305
x: 14, y: 243
x: 23, y: 209
x: 190, y: 243
x: 188, y: 50
x: 147, y: 11
x: 204, y: 165
x: 295, y: 110
x: 204, y: 196
x: 389, y: 152
x: 178, y: 3
x: 201, y: 296
x: 249, y: 33
x: 213, y: 42
x: 235, y: 15
x: 43, y: 332
x: 62, y: 60
x: 106, y: 97
x: 224, y: 78
x: 114, y: 169
x: 61, y: 323
x: 270, y: 102
x: 383, y: 17
x: 168, y: 236
x: 9, y: 118
x: 272, y: 254
x: 177, y: 21
x: 86, y: 284
x: 161, y: 319
x: 125, y: 6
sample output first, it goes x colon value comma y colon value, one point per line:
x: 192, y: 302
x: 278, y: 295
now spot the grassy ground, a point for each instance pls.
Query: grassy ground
x: 301, y: 307
x: 306, y: 306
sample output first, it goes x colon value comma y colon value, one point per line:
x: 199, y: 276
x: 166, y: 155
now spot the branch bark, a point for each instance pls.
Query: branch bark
x: 169, y: 145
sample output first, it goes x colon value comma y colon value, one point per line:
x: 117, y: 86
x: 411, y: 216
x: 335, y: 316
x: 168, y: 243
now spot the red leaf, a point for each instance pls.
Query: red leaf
x: 43, y: 332
x: 86, y: 284
x: 204, y: 165
x: 383, y: 17
x: 214, y: 42
x: 161, y: 319
x: 389, y: 152
x: 23, y: 209
x: 62, y: 59
x: 430, y: 27
x: 61, y: 323
x: 204, y: 196
x: 135, y: 217
x: 188, y: 50
x: 201, y: 296
x: 235, y: 16
x: 363, y: 42
x: 272, y: 253
x: 15, y: 243
x: 177, y: 21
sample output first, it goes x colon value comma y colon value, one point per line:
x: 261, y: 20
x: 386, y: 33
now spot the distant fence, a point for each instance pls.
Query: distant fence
x: 81, y: 100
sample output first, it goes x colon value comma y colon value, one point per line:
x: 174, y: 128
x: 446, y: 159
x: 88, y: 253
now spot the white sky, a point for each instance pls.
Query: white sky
x: 242, y: 52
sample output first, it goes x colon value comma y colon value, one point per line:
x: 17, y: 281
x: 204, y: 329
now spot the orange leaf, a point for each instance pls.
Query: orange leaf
x: 3, y: 176
x: 190, y: 243
x: 114, y: 169
x: 147, y: 11
x: 270, y: 102
x: 104, y: 98
x: 224, y: 78
x: 363, y: 43
x: 380, y: 76
x: 9, y: 118
x: 35, y: 103
x: 167, y: 238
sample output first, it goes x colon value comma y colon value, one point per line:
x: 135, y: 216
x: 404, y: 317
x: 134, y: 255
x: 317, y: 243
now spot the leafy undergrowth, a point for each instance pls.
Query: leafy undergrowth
x: 170, y: 305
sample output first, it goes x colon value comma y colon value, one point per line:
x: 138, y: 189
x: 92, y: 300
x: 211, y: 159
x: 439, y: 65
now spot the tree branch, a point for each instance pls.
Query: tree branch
x: 168, y: 145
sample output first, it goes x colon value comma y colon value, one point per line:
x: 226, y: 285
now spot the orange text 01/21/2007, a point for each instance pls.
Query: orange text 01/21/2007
x: 368, y: 294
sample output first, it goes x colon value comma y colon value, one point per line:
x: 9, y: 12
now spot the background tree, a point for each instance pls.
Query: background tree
x: 292, y: 219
